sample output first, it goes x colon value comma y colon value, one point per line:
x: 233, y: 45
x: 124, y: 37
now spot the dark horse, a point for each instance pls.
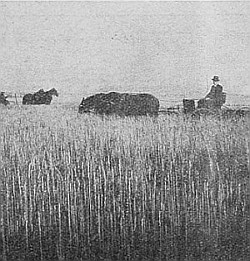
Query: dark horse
x: 40, y: 97
x: 121, y: 104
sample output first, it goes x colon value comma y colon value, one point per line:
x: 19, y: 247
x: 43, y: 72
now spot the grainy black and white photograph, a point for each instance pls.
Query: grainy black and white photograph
x: 124, y: 130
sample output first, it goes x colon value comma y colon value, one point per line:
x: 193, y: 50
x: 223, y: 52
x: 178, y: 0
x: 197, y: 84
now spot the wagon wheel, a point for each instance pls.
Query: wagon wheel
x: 202, y: 112
x: 169, y: 112
x: 236, y: 113
x: 174, y: 113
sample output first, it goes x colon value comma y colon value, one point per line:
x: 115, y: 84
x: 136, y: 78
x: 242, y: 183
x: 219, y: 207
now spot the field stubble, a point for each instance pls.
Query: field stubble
x: 90, y: 188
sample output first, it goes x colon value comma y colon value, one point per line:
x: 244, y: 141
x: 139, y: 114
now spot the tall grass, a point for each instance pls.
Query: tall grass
x: 91, y: 188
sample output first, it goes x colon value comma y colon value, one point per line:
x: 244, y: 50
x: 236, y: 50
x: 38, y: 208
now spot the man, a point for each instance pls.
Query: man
x: 216, y: 89
x: 3, y: 98
x: 215, y: 98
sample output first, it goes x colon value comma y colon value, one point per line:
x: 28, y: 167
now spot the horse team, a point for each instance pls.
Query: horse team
x: 122, y: 104
x: 127, y: 104
x: 40, y: 97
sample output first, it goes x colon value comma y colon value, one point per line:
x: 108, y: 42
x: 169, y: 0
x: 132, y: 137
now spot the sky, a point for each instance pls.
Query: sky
x: 164, y: 48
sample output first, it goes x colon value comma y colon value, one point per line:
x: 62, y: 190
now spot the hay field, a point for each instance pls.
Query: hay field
x: 80, y: 187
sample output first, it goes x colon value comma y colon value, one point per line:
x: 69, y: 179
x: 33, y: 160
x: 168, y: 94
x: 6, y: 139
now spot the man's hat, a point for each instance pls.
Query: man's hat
x: 216, y: 79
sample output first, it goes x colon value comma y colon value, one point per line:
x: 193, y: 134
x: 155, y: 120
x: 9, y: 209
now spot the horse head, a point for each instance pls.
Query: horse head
x: 53, y: 92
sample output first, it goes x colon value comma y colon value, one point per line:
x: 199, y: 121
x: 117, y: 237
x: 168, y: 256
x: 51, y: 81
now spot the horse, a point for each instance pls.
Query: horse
x: 40, y: 97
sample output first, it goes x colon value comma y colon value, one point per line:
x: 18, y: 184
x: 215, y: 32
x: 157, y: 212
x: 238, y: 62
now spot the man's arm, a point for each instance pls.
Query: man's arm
x: 211, y: 94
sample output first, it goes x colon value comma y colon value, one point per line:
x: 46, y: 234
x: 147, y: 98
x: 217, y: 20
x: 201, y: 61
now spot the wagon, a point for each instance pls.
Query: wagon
x: 191, y: 107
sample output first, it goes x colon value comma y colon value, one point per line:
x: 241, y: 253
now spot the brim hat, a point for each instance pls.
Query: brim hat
x: 216, y: 79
